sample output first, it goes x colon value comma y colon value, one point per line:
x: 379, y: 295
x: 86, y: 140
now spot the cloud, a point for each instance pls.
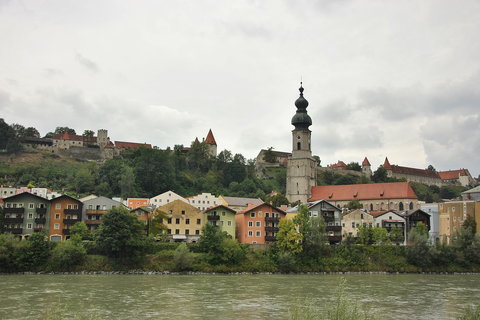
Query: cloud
x: 87, y: 63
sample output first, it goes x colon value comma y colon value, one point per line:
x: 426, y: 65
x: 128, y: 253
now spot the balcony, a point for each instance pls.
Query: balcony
x: 93, y: 222
x: 333, y: 228
x: 70, y: 221
x: 41, y: 210
x: 272, y: 219
x: 335, y: 239
x: 213, y: 218
x: 13, y: 220
x: 13, y: 210
x: 91, y: 211
x: 37, y: 229
x: 73, y: 211
x: 13, y: 230
x: 271, y: 229
x: 270, y: 238
x: 66, y: 231
x: 40, y: 220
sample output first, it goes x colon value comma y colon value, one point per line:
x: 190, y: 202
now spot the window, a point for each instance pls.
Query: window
x: 197, y: 232
x: 187, y: 221
x: 57, y: 215
x: 267, y: 214
x: 199, y: 221
x: 177, y: 231
x: 299, y: 145
x: 258, y: 223
x: 169, y: 231
x: 31, y: 205
x: 252, y: 214
x: 177, y: 221
x: 169, y: 220
x: 258, y: 233
x: 250, y: 223
x: 221, y: 223
x: 250, y: 233
x: 229, y: 223
x: 183, y: 211
x: 353, y: 224
x: 30, y: 216
x: 58, y: 206
x: 90, y: 207
x: 223, y: 213
x: 187, y: 231
x: 361, y: 216
x: 75, y: 206
x: 69, y: 206
x: 56, y: 226
x: 29, y: 226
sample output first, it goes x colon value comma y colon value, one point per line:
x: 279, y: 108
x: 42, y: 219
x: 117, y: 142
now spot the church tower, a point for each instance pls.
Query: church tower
x: 301, y: 167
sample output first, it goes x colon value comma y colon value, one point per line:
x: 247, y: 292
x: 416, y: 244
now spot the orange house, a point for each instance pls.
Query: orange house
x: 258, y: 224
x: 134, y: 203
x: 65, y: 211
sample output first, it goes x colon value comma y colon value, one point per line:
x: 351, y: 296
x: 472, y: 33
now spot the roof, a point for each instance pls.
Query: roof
x: 210, y: 139
x: 388, y: 190
x: 73, y: 137
x: 410, y: 212
x: 410, y: 171
x: 377, y: 214
x: 68, y: 197
x: 366, y: 162
x: 253, y: 207
x: 476, y: 189
x: 242, y: 202
x: 22, y: 194
x: 453, y: 174
x: 278, y: 154
x: 132, y: 145
x: 339, y: 164
x: 144, y: 209
x: 219, y: 207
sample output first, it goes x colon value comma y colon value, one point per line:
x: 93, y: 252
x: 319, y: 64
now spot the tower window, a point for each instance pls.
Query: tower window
x: 298, y: 145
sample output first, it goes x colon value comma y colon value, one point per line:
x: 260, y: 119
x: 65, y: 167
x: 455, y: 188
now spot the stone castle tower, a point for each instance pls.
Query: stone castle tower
x: 301, y: 167
x: 102, y: 138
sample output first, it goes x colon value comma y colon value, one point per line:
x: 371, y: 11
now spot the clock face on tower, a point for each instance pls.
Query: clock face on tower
x: 298, y: 137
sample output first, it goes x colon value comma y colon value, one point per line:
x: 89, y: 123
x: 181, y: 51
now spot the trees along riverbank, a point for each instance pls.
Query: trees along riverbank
x: 301, y: 246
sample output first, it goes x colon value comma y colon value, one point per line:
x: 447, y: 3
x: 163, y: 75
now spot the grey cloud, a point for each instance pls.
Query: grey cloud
x: 4, y: 99
x: 52, y: 72
x: 87, y: 63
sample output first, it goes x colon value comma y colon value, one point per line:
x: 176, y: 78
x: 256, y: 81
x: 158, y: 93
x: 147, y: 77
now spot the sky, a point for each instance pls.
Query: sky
x: 396, y: 79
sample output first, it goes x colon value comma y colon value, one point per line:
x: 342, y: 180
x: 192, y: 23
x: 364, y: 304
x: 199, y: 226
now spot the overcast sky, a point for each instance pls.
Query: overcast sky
x: 383, y: 78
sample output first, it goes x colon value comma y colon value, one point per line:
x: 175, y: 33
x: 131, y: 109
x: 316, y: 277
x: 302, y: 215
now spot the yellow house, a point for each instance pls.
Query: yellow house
x: 184, y: 221
x: 354, y: 219
x: 451, y: 217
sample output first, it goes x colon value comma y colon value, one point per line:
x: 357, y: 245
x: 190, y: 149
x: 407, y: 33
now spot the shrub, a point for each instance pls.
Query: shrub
x: 67, y: 255
x: 183, y: 258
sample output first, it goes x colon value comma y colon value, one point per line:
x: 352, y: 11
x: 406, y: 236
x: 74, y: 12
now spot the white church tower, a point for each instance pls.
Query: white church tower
x: 301, y: 167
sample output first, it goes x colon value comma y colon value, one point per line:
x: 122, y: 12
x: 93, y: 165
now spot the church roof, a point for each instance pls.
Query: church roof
x: 388, y: 190
x: 210, y: 139
x: 301, y: 120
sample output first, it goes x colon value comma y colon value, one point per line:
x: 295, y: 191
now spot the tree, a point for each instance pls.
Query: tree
x: 354, y: 166
x: 269, y: 156
x: 156, y: 226
x: 288, y: 238
x: 79, y: 232
x: 354, y: 204
x: 67, y: 255
x: 19, y: 130
x: 277, y: 200
x: 182, y: 258
x: 35, y: 252
x: 313, y: 233
x: 127, y: 183
x: 418, y: 252
x: 83, y: 181
x: 121, y: 235
x: 88, y: 133
x: 396, y: 235
x: 380, y: 175
x: 431, y: 168
x: 8, y: 138
x: 31, y: 132
x: 380, y: 236
x: 365, y: 235
x: 60, y: 130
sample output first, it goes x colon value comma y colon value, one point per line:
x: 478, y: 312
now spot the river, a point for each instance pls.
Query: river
x: 230, y: 296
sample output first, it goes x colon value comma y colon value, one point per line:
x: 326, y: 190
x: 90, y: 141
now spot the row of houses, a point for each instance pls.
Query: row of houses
x: 250, y: 220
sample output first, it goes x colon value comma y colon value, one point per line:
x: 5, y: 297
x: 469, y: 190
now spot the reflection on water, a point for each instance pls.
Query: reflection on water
x: 230, y: 296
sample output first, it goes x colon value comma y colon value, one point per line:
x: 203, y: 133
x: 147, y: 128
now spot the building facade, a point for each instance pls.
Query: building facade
x: 239, y: 203
x: 204, y: 201
x: 354, y: 219
x: 65, y: 211
x: 94, y: 209
x: 164, y: 198
x: 451, y: 217
x: 301, y: 167
x: 222, y: 217
x: 184, y: 221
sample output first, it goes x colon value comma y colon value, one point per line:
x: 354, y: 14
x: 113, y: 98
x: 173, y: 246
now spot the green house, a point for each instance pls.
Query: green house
x: 223, y: 217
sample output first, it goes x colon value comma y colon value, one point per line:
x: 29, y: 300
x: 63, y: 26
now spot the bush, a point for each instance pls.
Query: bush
x: 67, y: 255
x: 183, y: 258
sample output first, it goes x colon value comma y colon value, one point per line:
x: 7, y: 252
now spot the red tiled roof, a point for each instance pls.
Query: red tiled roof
x: 72, y: 137
x: 453, y: 174
x: 389, y: 190
x: 210, y: 139
x: 410, y: 171
x: 339, y: 164
x: 251, y: 207
x: 131, y: 145
x: 366, y: 162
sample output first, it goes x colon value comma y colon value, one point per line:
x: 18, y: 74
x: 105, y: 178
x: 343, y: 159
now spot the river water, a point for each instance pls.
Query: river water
x: 230, y: 296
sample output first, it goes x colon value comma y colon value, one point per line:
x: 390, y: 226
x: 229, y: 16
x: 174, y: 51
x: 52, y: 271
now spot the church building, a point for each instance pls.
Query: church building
x: 301, y: 167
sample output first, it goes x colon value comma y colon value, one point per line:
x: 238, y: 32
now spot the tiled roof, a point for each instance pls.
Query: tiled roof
x: 237, y: 201
x: 339, y: 164
x: 253, y: 207
x: 474, y: 190
x: 453, y: 174
x: 389, y: 190
x: 210, y: 139
x: 410, y: 171
x: 366, y: 162
x: 73, y: 137
x: 131, y: 145
x: 219, y: 207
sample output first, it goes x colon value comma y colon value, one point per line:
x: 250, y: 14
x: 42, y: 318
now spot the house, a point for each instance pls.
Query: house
x: 184, y: 221
x: 134, y: 203
x: 7, y: 191
x: 472, y: 194
x: 95, y: 208
x: 143, y: 214
x: 238, y: 203
x: 372, y: 196
x: 222, y: 217
x: 164, y: 198
x: 432, y: 210
x: 25, y: 213
x: 65, y: 211
x: 461, y: 177
x: 414, y: 217
x: 388, y: 219
x: 429, y: 177
x: 204, y: 201
x: 452, y: 214
x: 258, y: 224
x: 352, y: 220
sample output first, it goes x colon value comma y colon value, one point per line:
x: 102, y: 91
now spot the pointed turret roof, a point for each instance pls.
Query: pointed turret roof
x: 387, y: 164
x: 366, y: 163
x: 210, y: 139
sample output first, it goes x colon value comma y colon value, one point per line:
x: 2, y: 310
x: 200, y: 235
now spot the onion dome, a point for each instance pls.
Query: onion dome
x: 301, y: 120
